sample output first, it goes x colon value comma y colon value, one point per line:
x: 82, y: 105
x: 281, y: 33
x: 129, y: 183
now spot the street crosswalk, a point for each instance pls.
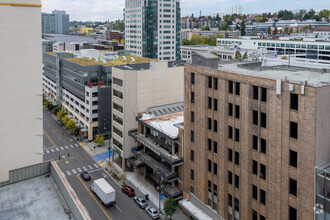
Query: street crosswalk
x: 60, y: 148
x: 79, y: 169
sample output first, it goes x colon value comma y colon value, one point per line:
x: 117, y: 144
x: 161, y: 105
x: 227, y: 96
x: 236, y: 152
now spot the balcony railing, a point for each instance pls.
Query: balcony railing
x: 155, y: 165
x: 137, y: 163
x: 172, y: 192
x: 171, y: 159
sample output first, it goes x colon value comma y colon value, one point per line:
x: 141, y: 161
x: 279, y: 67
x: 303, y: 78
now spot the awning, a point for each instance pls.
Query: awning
x: 84, y: 129
x: 79, y: 125
x: 193, y: 210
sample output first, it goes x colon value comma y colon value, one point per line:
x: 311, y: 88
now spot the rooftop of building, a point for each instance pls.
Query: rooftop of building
x: 315, y: 75
x: 36, y: 198
x: 145, y: 66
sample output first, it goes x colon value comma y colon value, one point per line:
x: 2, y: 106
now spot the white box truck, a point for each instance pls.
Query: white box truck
x: 104, y: 191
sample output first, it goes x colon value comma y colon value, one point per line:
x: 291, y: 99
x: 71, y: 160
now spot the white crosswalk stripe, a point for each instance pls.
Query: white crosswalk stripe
x: 85, y: 168
x: 62, y: 148
x: 79, y: 170
x: 71, y: 139
x: 74, y: 172
x: 66, y: 147
x: 71, y: 146
x: 90, y: 167
x: 57, y: 149
x: 68, y: 172
x: 76, y: 145
x: 47, y: 151
x: 95, y: 165
x: 52, y: 150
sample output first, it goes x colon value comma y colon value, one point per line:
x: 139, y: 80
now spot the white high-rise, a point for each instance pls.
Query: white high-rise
x: 152, y: 28
x: 21, y: 134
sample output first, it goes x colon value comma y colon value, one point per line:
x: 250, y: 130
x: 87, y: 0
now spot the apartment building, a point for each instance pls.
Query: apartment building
x: 21, y: 101
x: 318, y: 51
x: 260, y: 134
x: 152, y: 28
x: 83, y: 87
x: 56, y: 22
x: 135, y: 88
x: 157, y: 156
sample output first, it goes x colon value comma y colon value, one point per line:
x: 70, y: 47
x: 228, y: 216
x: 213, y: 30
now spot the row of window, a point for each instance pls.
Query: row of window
x: 262, y: 194
x: 230, y: 179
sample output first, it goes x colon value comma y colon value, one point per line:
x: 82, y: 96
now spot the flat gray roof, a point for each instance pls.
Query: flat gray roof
x: 36, y: 198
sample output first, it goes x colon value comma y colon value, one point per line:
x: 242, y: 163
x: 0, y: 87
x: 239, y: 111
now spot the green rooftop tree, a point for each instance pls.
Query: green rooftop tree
x: 170, y: 207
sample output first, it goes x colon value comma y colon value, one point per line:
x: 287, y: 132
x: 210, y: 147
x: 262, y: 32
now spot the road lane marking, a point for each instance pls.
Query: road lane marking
x: 95, y: 165
x: 68, y: 172
x: 74, y: 172
x: 70, y: 139
x: 52, y: 150
x: 62, y: 148
x: 71, y: 146
x: 90, y: 167
x: 47, y: 151
x: 49, y: 138
x: 66, y: 147
x: 57, y: 149
x: 79, y: 170
x: 85, y: 168
x: 106, y: 214
x: 118, y: 208
x: 76, y: 145
x: 95, y: 170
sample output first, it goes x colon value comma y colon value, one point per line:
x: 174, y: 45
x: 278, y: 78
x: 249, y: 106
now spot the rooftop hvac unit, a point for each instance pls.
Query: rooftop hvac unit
x: 124, y: 58
x: 132, y: 59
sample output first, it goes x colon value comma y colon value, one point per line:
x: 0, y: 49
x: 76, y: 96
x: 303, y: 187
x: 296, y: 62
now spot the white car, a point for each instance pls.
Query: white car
x: 152, y: 212
x: 140, y: 201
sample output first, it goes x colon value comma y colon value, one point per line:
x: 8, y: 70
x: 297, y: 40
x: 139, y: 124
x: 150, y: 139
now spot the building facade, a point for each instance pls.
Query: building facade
x: 152, y: 28
x: 21, y: 105
x: 136, y: 88
x: 259, y: 132
x: 55, y: 23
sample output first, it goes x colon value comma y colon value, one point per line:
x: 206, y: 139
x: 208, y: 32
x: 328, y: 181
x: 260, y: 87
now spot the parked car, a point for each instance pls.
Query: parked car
x: 85, y: 175
x: 128, y: 190
x: 140, y: 201
x: 152, y: 212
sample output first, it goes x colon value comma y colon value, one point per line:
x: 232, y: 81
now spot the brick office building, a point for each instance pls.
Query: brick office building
x: 252, y: 140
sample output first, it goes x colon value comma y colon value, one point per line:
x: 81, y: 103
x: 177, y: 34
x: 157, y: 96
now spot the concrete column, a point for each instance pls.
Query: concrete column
x: 123, y: 164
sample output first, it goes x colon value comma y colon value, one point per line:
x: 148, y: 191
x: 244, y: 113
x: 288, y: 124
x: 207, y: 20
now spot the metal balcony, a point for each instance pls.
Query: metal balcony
x: 135, y: 162
x: 156, y: 148
x: 172, y: 192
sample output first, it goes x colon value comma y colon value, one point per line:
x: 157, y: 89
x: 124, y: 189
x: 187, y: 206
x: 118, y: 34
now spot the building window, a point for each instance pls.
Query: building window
x: 263, y: 119
x: 293, y: 130
x: 209, y: 186
x: 192, y: 190
x: 215, y: 83
x: 254, y: 215
x: 236, y: 111
x: 209, y: 165
x: 117, y: 119
x: 117, y: 82
x: 209, y: 123
x: 293, y: 158
x: 94, y: 103
x: 263, y: 146
x: 230, y: 200
x: 236, y: 205
x: 209, y: 81
x: 254, y: 192
x: 215, y: 125
x: 262, y: 171
x: 254, y: 142
x: 294, y: 101
x: 236, y: 158
x: 262, y: 197
x: 118, y: 107
x: 192, y: 136
x: 192, y: 78
x: 192, y: 155
x: 230, y: 87
x: 230, y: 155
x: 87, y: 94
x: 209, y: 103
x: 116, y: 131
x: 192, y: 97
x: 292, y: 187
x: 255, y: 92
x: 215, y: 104
x: 215, y: 169
x: 237, y: 88
x: 230, y: 177
x: 254, y: 167
x: 255, y: 117
x: 209, y: 144
x: 215, y: 147
x: 192, y: 116
x: 263, y: 94
x: 230, y: 109
x: 215, y: 190
x: 237, y: 134
x: 94, y: 94
x: 292, y: 213
x: 237, y: 181
x: 192, y: 174
x: 230, y: 132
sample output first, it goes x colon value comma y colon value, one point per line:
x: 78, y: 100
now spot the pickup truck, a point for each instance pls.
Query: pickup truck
x: 105, y: 192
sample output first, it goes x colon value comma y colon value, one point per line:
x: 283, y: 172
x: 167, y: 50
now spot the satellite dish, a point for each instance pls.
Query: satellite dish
x: 132, y: 59
x: 124, y: 58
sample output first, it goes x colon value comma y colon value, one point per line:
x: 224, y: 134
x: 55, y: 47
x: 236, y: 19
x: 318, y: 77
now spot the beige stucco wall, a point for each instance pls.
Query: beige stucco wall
x: 21, y: 134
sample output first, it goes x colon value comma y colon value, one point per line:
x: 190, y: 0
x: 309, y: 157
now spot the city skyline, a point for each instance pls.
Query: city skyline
x: 81, y: 10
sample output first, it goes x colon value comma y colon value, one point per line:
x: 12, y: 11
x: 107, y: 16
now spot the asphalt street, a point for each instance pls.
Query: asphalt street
x: 72, y: 159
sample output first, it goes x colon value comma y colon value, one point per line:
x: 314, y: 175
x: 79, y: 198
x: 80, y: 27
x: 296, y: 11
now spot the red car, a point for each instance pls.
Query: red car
x: 128, y: 190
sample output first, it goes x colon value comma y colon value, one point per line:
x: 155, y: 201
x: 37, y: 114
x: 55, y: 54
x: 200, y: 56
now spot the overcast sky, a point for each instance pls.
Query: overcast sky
x: 101, y: 10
